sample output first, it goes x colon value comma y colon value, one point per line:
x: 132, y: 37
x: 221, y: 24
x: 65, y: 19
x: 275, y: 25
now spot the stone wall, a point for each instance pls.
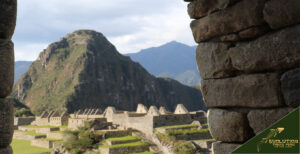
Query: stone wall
x: 8, y: 13
x: 19, y: 121
x: 249, y: 58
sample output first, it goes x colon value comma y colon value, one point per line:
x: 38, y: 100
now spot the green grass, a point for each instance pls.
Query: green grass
x: 46, y: 126
x: 33, y: 133
x: 179, y: 126
x: 139, y: 143
x: 24, y: 147
x: 187, y: 131
x: 125, y: 138
x: 146, y: 152
x: 207, y: 139
x: 51, y: 139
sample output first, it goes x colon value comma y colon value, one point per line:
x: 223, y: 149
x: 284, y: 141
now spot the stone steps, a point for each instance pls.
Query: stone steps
x: 122, y: 140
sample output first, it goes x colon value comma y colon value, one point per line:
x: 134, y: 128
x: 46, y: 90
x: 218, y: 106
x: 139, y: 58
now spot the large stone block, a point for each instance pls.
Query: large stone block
x: 275, y: 51
x: 6, y: 67
x: 6, y: 122
x: 257, y: 90
x: 7, y: 150
x: 200, y: 8
x: 8, y: 14
x: 290, y: 87
x: 213, y: 60
x: 228, y: 126
x: 281, y: 13
x: 224, y: 148
x: 243, y: 15
x: 261, y: 119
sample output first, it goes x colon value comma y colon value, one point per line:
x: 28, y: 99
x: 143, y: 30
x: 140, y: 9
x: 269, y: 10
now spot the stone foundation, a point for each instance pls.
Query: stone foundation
x: 249, y: 58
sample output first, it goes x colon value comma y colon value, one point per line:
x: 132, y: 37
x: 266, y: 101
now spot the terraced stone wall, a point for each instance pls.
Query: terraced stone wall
x: 249, y: 58
x: 8, y: 12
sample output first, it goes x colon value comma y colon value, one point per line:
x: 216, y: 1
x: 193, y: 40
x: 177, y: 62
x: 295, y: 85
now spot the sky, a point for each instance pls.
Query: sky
x: 131, y: 25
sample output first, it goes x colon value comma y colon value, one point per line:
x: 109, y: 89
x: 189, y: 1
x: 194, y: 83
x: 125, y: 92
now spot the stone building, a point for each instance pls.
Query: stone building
x: 249, y: 59
x: 52, y: 118
x: 8, y: 15
x: 146, y: 122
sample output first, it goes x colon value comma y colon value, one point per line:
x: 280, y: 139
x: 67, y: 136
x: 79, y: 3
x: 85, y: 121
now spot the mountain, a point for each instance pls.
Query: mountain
x: 174, y: 60
x: 20, y: 68
x: 84, y: 70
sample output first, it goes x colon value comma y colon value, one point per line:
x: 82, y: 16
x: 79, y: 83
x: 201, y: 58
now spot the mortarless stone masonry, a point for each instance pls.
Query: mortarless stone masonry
x: 249, y: 59
x: 8, y: 14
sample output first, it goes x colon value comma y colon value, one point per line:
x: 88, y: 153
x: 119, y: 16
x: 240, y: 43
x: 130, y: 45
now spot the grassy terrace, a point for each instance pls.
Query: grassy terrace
x: 125, y: 138
x: 24, y: 147
x: 146, y: 152
x: 139, y: 143
x: 33, y: 133
x: 51, y: 139
x: 188, y: 131
x: 178, y: 126
x: 46, y: 126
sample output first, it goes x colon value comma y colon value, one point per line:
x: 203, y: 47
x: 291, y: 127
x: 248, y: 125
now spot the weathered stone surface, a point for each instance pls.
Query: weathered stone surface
x: 257, y: 90
x: 8, y: 14
x: 7, y: 150
x: 281, y: 13
x: 253, y: 32
x: 213, y: 60
x: 200, y: 8
x: 276, y: 51
x: 6, y: 67
x: 245, y: 14
x: 6, y: 122
x: 261, y: 119
x: 228, y: 126
x: 224, y: 148
x: 290, y: 87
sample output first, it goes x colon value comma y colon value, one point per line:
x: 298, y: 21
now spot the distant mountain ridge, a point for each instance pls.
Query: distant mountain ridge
x: 84, y: 70
x: 174, y: 60
x: 20, y: 68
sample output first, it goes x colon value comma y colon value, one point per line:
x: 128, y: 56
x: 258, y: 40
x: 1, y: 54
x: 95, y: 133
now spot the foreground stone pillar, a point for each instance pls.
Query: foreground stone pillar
x: 249, y: 58
x: 8, y: 13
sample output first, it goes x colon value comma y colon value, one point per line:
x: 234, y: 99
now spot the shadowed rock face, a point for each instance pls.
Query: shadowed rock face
x: 84, y: 70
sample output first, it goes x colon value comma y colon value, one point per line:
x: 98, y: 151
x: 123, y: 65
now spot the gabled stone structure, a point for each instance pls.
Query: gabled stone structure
x: 147, y: 122
x: 153, y: 111
x: 141, y: 109
x: 163, y: 111
x: 52, y: 118
x: 180, y: 109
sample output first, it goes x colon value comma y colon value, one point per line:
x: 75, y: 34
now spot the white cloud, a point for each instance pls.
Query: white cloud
x: 131, y: 25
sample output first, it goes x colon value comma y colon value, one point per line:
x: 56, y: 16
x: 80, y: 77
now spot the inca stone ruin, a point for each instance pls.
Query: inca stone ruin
x: 249, y: 58
x: 8, y: 13
x: 49, y: 126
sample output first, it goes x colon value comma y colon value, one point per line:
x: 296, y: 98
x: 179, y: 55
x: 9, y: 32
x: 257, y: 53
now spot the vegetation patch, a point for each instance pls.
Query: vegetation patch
x: 46, y: 126
x: 33, y: 133
x: 187, y: 131
x: 125, y: 138
x: 81, y: 140
x: 24, y: 147
x: 179, y: 126
x: 139, y: 143
x: 146, y: 152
